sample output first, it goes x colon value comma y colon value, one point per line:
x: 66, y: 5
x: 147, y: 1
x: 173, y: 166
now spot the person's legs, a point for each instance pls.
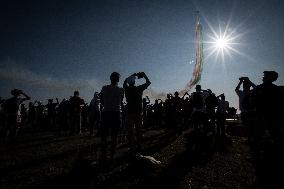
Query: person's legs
x: 91, y: 123
x: 274, y: 127
x: 73, y: 124
x: 223, y: 122
x: 194, y: 120
x: 104, y: 135
x: 138, y: 127
x: 97, y: 119
x: 219, y: 123
x: 115, y: 126
x: 114, y: 133
x: 12, y: 127
x: 131, y: 131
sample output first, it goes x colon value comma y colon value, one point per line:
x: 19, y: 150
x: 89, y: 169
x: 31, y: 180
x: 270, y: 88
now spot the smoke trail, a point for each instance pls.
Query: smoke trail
x: 196, y: 75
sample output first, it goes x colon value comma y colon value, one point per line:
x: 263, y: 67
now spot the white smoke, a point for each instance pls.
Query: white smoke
x: 153, y: 94
x: 14, y: 72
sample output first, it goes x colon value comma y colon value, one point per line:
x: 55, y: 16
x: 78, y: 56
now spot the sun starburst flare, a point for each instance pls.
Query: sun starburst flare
x: 223, y: 43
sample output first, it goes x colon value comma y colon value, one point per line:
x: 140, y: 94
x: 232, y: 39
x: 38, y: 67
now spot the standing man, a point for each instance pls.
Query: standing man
x: 222, y: 110
x: 267, y: 98
x: 51, y: 113
x: 199, y: 116
x: 75, y: 105
x: 133, y: 96
x: 267, y: 148
x: 10, y: 109
x: 94, y: 113
x: 246, y: 105
x: 111, y: 99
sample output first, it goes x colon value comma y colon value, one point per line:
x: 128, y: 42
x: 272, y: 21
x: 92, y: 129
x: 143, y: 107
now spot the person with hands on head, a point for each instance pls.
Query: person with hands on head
x: 134, y: 115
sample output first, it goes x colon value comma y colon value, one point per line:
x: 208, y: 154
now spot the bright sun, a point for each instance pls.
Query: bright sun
x: 221, y: 43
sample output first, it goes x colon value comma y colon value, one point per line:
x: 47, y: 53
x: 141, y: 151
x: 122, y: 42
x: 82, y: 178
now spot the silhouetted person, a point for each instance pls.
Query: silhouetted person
x: 75, y: 104
x: 145, y: 105
x: 177, y: 108
x: 187, y: 109
x: 267, y: 148
x: 1, y: 102
x: 111, y: 99
x: 222, y: 110
x: 40, y: 115
x: 211, y: 103
x: 199, y: 116
x: 10, y: 109
x: 2, y: 120
x: 31, y: 116
x: 232, y: 112
x: 84, y: 117
x: 23, y: 114
x: 134, y: 118
x: 94, y: 113
x: 267, y: 98
x: 169, y: 111
x: 173, y: 110
x: 157, y: 113
x: 246, y: 105
x: 51, y: 112
x: 63, y: 115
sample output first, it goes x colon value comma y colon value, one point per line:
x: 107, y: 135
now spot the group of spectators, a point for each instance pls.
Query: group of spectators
x: 108, y: 113
x: 16, y: 117
x: 262, y: 111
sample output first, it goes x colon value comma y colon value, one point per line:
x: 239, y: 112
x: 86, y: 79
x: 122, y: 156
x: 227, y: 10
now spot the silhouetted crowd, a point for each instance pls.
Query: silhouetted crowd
x: 262, y: 113
x: 109, y: 115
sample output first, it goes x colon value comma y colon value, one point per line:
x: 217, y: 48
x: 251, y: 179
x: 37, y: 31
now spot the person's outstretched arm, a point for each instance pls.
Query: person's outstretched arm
x: 252, y: 84
x: 25, y: 95
x: 185, y: 95
x: 148, y: 82
x: 239, y: 85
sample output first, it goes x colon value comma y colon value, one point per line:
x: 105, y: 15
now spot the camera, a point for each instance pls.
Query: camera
x: 139, y: 75
x: 243, y: 78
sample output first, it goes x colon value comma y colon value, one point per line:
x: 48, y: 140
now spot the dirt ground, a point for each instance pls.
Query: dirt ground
x: 188, y: 160
x: 226, y: 169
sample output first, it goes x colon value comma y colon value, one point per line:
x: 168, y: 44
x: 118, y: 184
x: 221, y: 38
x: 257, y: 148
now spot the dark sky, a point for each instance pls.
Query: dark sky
x: 51, y: 48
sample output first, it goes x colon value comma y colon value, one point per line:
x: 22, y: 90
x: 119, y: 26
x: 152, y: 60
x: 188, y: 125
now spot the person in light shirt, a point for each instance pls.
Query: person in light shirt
x: 111, y: 99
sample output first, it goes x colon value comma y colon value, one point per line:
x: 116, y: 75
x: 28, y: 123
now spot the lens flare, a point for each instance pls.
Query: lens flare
x: 222, y: 43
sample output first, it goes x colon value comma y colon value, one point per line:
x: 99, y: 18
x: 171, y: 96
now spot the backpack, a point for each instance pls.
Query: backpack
x: 10, y: 106
x: 197, y: 100
x: 211, y: 101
